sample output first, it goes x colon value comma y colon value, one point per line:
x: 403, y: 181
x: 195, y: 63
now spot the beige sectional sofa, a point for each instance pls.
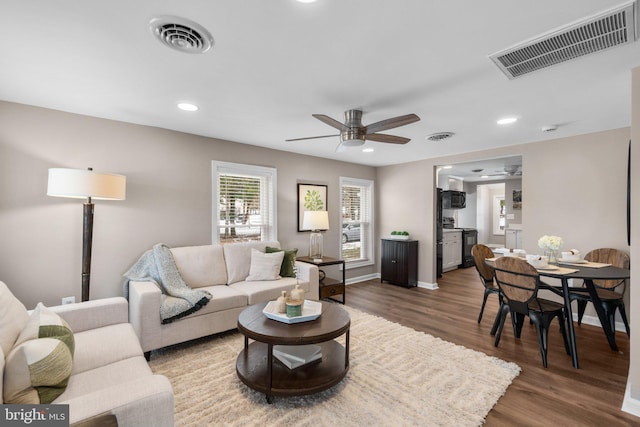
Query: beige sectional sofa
x: 105, y: 371
x: 221, y: 270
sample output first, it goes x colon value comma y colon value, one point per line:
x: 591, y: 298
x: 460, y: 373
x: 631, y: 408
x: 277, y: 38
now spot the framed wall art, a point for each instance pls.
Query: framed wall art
x: 517, y: 199
x: 311, y: 197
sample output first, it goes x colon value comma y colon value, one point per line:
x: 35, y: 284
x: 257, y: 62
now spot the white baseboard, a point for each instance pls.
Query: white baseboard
x: 427, y: 285
x: 629, y: 404
x: 362, y: 278
x: 594, y: 321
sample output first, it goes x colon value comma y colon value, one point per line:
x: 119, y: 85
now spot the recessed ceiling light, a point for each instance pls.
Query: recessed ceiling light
x: 185, y: 106
x: 447, y: 167
x: 367, y: 150
x: 484, y: 176
x: 507, y: 120
x: 306, y: 1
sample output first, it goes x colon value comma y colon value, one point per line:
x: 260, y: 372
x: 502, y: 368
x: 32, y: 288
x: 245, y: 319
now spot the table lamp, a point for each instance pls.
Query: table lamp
x: 86, y: 184
x: 315, y: 221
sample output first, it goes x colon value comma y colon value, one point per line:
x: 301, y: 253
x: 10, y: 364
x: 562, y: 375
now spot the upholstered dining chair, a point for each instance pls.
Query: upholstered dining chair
x: 610, y: 292
x: 519, y: 283
x: 480, y: 253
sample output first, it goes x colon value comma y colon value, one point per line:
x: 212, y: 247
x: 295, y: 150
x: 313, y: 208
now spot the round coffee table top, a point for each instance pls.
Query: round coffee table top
x: 333, y: 322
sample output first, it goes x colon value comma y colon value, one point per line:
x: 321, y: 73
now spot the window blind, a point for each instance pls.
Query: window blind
x: 244, y: 203
x: 357, y: 215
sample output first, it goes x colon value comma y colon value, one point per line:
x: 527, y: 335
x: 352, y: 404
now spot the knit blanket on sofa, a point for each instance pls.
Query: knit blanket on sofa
x: 178, y: 299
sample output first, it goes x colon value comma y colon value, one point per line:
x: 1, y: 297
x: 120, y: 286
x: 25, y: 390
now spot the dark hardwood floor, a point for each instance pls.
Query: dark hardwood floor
x: 559, y: 395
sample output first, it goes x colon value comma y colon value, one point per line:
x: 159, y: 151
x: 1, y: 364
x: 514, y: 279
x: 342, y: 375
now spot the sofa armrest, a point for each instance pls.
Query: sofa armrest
x: 145, y: 401
x: 145, y: 299
x: 309, y: 273
x: 94, y: 314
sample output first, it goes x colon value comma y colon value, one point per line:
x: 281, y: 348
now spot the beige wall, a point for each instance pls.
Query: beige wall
x: 634, y: 365
x: 168, y: 197
x: 572, y: 187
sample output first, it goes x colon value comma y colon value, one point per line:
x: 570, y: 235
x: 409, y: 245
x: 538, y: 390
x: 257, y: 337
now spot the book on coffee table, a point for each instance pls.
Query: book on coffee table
x: 294, y: 356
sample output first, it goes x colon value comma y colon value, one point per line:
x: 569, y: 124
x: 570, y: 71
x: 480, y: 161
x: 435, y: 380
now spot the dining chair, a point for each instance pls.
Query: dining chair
x: 519, y: 283
x: 610, y: 292
x: 480, y: 253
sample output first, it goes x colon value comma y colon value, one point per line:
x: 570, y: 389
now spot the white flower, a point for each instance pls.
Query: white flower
x: 552, y: 243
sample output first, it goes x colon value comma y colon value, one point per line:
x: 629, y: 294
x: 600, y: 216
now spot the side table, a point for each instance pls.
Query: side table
x: 329, y: 287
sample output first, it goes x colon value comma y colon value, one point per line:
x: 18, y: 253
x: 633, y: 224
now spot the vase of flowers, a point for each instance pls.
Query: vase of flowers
x: 550, y: 245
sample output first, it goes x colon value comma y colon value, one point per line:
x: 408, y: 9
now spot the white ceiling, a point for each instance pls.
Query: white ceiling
x: 474, y: 171
x: 274, y: 63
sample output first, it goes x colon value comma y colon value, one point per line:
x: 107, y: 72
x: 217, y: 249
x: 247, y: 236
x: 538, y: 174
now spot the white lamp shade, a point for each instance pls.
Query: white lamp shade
x: 83, y: 183
x: 315, y: 220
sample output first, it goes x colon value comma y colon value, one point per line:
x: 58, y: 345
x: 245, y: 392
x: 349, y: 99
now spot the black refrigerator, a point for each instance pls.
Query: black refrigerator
x: 439, y: 232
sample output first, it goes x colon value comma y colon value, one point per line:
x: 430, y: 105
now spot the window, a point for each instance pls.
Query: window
x: 356, y: 206
x: 244, y: 202
x: 499, y: 215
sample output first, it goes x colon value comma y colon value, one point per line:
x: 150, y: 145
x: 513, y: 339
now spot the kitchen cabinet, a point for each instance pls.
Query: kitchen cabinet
x: 513, y: 238
x: 399, y: 263
x: 451, y: 249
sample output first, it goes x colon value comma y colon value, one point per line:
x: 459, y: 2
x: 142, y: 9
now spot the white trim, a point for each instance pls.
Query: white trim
x: 629, y: 404
x: 427, y: 285
x: 243, y: 169
x: 364, y: 278
x: 370, y: 185
x: 594, y: 321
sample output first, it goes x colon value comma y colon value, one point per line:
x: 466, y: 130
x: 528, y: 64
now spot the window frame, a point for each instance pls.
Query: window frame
x: 370, y: 185
x: 270, y: 173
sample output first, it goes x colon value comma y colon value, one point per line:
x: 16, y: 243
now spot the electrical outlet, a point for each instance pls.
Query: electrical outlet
x: 68, y: 300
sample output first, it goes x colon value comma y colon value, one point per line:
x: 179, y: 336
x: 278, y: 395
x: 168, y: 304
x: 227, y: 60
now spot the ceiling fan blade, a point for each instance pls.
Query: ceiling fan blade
x: 393, y: 139
x: 310, y: 137
x: 329, y: 121
x: 391, y: 123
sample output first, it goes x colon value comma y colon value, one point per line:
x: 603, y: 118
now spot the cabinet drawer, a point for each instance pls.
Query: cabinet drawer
x: 331, y: 290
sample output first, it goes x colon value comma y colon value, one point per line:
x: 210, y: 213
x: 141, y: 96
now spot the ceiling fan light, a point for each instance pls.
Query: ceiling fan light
x: 353, y: 142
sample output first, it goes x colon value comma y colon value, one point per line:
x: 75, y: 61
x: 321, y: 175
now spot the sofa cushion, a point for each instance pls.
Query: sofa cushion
x: 267, y: 290
x: 237, y: 257
x: 201, y: 265
x: 105, y: 376
x: 39, y: 366
x: 13, y: 318
x: 223, y: 298
x: 264, y: 266
x: 288, y: 267
x: 102, y: 346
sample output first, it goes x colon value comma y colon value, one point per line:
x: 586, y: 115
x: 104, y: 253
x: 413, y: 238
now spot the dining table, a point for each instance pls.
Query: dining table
x: 587, y: 272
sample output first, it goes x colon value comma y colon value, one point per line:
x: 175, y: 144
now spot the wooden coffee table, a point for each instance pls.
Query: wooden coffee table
x: 257, y: 368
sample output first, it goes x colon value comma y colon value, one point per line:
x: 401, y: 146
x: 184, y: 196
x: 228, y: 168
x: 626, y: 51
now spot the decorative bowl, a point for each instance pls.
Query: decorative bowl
x: 572, y: 255
x: 538, y: 261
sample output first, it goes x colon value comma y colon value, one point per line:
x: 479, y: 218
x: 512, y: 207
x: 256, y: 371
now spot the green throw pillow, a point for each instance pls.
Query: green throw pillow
x: 39, y: 366
x: 288, y: 263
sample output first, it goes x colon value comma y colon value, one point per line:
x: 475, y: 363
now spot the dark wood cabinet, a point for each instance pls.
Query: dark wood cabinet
x: 399, y: 263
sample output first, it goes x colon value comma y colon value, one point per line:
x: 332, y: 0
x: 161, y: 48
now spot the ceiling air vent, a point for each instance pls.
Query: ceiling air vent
x: 181, y: 34
x: 439, y: 136
x: 599, y: 32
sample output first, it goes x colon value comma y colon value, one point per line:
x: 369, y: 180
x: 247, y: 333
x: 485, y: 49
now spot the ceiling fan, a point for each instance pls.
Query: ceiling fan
x: 514, y: 170
x: 353, y: 133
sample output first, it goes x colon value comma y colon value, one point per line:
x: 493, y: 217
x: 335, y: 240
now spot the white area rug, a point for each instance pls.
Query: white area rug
x: 397, y: 377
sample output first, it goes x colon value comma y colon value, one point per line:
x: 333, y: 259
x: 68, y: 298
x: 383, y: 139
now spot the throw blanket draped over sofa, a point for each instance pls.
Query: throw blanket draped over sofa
x: 227, y: 273
x: 178, y: 299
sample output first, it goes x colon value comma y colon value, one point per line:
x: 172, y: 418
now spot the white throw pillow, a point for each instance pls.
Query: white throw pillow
x: 264, y: 266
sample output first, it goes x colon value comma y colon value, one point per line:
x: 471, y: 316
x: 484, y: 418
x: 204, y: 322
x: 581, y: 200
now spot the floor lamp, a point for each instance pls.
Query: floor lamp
x: 86, y: 184
x: 315, y: 221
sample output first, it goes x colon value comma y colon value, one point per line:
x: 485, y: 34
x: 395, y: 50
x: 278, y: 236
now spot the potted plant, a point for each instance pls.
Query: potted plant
x: 400, y: 235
